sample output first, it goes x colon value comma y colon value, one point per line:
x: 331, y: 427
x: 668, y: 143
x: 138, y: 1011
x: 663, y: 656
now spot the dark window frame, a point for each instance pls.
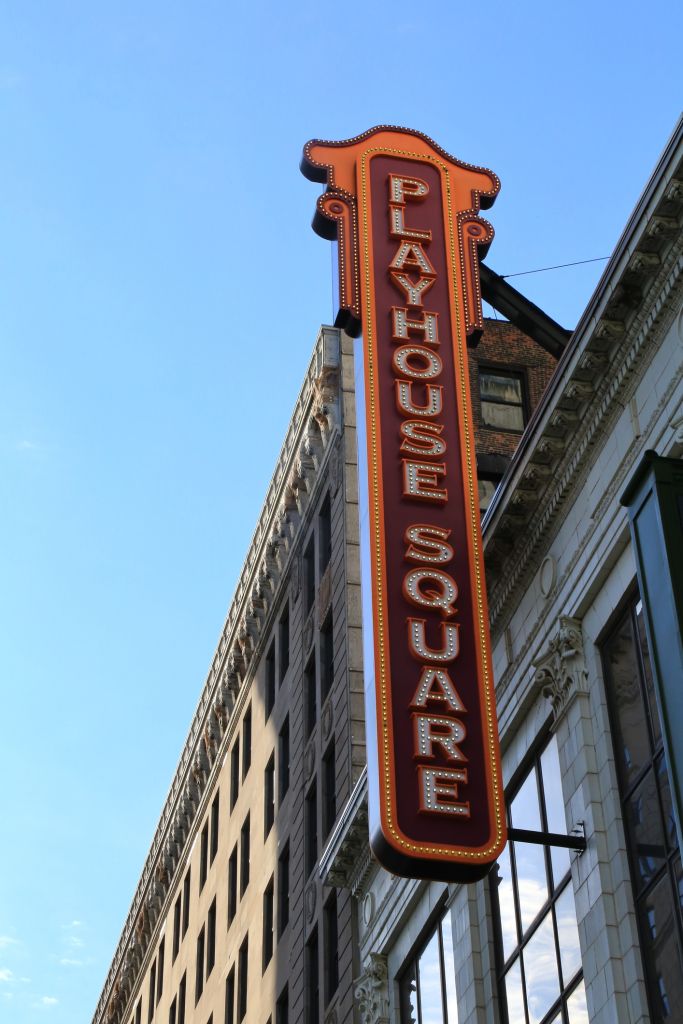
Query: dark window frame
x: 631, y: 613
x: 245, y: 854
x: 283, y: 755
x: 514, y: 372
x: 215, y: 825
x: 269, y: 796
x: 531, y: 766
x: 268, y: 946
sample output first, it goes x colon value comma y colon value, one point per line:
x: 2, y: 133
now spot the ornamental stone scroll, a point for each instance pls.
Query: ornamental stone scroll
x: 372, y: 991
x: 561, y: 672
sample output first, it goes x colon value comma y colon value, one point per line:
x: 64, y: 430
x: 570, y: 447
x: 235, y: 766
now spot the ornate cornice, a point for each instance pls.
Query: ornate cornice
x: 347, y: 861
x: 561, y: 672
x: 592, y: 384
x: 371, y: 990
x: 310, y: 438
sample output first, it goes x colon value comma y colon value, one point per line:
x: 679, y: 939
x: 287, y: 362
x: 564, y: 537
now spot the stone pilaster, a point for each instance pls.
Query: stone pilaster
x: 372, y: 991
x: 581, y: 726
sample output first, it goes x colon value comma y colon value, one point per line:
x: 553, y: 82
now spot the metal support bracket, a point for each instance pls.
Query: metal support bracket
x: 576, y: 840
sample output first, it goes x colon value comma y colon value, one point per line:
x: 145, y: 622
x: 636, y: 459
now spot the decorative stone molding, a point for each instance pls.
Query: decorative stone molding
x: 310, y: 441
x: 347, y: 862
x: 617, y: 337
x: 561, y: 673
x: 371, y: 990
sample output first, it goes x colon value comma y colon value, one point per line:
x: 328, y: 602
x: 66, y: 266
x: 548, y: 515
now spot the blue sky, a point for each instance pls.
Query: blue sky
x: 150, y: 199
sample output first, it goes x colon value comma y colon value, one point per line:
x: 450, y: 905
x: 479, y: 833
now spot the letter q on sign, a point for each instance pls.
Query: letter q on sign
x: 431, y: 588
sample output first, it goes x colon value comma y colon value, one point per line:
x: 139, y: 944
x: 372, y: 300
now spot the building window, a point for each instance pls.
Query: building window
x: 211, y: 938
x: 173, y: 1012
x: 138, y: 1011
x: 649, y: 821
x: 160, y: 968
x: 331, y: 947
x: 326, y: 659
x: 234, y: 773
x: 230, y: 998
x: 204, y: 857
x: 329, y: 774
x: 152, y: 991
x: 282, y: 1007
x: 309, y: 575
x: 242, y: 979
x: 539, y: 958
x: 310, y: 829
x: 269, y: 796
x: 283, y: 760
x: 244, y: 856
x: 199, y: 967
x: 269, y: 695
x: 325, y: 535
x: 246, y: 743
x: 427, y: 986
x: 283, y: 890
x: 186, y: 902
x: 311, y: 992
x: 310, y: 697
x: 232, y: 885
x: 181, y: 1000
x: 215, y: 807
x: 283, y: 643
x: 488, y: 485
x: 268, y: 899
x: 176, y: 928
x: 502, y: 399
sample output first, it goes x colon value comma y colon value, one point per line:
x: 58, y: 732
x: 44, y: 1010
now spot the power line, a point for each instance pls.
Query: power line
x: 558, y: 266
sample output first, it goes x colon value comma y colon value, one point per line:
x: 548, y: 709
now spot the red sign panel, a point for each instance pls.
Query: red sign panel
x: 406, y: 215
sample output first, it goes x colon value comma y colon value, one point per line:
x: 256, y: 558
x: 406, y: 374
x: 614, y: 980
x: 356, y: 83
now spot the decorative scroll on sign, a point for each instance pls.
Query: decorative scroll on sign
x: 405, y: 214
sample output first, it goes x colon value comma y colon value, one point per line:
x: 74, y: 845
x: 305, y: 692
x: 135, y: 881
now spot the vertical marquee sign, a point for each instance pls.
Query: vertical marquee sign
x: 405, y: 214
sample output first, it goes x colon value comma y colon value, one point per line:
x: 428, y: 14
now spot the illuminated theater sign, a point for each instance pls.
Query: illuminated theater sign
x: 405, y: 214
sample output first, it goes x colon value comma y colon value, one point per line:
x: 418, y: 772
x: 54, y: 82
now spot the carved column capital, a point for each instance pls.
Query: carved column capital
x: 561, y: 671
x: 372, y: 991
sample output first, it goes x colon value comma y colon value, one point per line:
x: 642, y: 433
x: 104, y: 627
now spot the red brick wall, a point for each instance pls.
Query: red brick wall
x: 505, y: 346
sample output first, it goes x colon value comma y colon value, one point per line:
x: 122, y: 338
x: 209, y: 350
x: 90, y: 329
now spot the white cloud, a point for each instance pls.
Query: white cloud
x: 48, y: 1001
x: 6, y: 974
x: 67, y: 961
x: 27, y: 446
x: 7, y: 940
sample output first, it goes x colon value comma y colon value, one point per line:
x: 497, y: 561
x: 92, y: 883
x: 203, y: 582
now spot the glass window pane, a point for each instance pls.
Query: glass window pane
x: 568, y: 935
x: 487, y: 488
x: 644, y: 825
x: 524, y: 810
x: 577, y: 1010
x: 532, y: 888
x: 540, y: 971
x: 505, y: 417
x: 449, y: 969
x: 647, y: 670
x: 554, y: 807
x: 667, y: 806
x: 429, y: 974
x: 508, y: 925
x: 679, y: 880
x: 632, y: 745
x: 514, y: 994
x: 661, y: 950
x: 500, y: 387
